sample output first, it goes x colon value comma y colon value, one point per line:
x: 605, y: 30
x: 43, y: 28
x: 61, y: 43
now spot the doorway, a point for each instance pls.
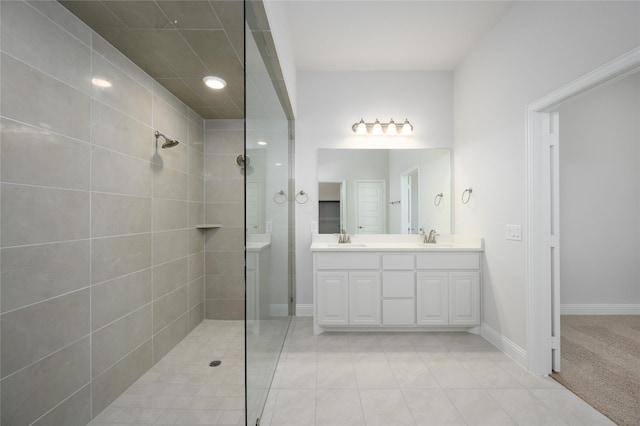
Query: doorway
x: 410, y: 200
x: 543, y: 318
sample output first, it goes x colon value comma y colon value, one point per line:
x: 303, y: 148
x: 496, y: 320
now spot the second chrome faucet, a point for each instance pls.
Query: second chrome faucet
x: 430, y: 238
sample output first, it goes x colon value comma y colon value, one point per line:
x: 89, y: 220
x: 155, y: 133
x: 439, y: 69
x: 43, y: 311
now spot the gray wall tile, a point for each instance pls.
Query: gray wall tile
x: 196, y: 266
x: 114, y: 130
x: 168, y: 308
x: 196, y: 292
x: 229, y: 286
x: 169, y: 277
x: 32, y: 215
x: 173, y: 158
x: 64, y: 18
x: 170, y: 336
x: 119, y: 214
x: 196, y: 240
x: 195, y: 131
x: 34, y: 156
x: 196, y: 163
x: 196, y: 316
x: 116, y: 298
x: 196, y: 214
x: 169, y: 183
x: 111, y: 343
x: 169, y: 214
x: 169, y: 122
x: 35, y: 98
x: 33, y: 38
x: 225, y: 262
x: 171, y: 245
x: 111, y: 54
x: 196, y: 188
x: 31, y: 274
x: 75, y: 411
x: 224, y: 309
x: 125, y: 94
x: 224, y: 239
x: 120, y: 174
x: 116, y: 256
x: 106, y: 387
x: 33, y: 391
x: 31, y: 333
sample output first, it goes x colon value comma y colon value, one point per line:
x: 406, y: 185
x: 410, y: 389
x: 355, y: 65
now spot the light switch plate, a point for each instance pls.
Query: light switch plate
x: 514, y: 232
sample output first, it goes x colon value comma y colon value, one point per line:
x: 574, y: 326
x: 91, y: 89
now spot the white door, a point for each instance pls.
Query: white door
x: 464, y: 298
x: 333, y: 295
x: 433, y: 298
x: 553, y: 160
x: 253, y: 209
x: 364, y: 298
x: 370, y: 207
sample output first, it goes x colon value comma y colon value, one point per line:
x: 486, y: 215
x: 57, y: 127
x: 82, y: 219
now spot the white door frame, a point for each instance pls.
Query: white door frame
x: 405, y: 224
x: 541, y: 208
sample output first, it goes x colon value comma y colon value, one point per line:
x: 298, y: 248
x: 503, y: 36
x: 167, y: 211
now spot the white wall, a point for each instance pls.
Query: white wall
x: 536, y: 48
x: 330, y: 102
x: 600, y: 194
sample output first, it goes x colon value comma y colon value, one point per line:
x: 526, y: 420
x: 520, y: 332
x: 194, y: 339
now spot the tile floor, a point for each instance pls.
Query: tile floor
x: 390, y: 379
x: 348, y: 379
x: 182, y: 389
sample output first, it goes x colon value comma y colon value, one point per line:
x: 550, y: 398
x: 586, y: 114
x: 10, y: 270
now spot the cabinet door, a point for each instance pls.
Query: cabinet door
x: 333, y: 295
x: 433, y: 298
x: 464, y: 298
x: 364, y: 298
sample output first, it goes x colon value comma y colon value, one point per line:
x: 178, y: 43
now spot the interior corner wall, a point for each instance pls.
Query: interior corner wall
x: 328, y: 105
x: 536, y: 48
x: 599, y: 153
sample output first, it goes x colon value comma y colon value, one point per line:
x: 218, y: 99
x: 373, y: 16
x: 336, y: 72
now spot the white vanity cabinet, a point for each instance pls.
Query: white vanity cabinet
x: 355, y: 290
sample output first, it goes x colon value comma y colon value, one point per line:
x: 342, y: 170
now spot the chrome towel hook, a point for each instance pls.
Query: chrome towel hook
x: 438, y: 199
x: 467, y: 191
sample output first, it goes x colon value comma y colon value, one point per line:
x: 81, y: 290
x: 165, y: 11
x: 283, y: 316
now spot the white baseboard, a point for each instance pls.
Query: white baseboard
x: 304, y: 310
x: 279, y: 310
x: 510, y: 349
x: 600, y: 309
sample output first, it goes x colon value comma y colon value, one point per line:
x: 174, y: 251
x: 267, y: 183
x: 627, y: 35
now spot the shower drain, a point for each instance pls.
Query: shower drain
x: 215, y: 363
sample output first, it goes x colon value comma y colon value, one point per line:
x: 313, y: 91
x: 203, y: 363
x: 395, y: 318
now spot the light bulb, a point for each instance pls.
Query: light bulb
x: 361, y: 128
x: 407, y: 128
x: 214, y: 82
x: 377, y: 128
x: 392, y: 129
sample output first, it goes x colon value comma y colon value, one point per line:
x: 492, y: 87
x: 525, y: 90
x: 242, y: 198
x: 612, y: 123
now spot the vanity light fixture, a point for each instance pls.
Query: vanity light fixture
x: 378, y: 129
x: 214, y: 82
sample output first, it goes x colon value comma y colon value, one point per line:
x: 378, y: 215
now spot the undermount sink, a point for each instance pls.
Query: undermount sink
x: 345, y: 245
x: 446, y: 244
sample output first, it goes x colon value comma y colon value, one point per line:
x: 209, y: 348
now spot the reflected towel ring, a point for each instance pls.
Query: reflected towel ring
x: 302, y: 196
x: 280, y: 197
x: 438, y: 199
x: 467, y: 191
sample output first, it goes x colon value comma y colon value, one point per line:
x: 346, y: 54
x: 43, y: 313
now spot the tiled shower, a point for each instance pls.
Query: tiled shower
x: 102, y: 268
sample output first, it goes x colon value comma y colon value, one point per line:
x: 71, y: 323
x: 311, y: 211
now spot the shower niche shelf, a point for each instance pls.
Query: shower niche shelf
x: 209, y: 226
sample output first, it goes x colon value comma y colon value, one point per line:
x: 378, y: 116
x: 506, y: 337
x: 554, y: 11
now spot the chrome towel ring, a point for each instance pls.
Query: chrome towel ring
x: 302, y: 197
x: 280, y: 197
x: 438, y: 199
x: 467, y: 191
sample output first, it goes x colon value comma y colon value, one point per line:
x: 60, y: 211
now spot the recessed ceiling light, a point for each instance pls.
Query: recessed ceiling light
x: 100, y: 82
x: 214, y: 82
x: 262, y: 143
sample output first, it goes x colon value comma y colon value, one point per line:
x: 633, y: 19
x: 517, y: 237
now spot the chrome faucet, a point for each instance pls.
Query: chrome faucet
x: 343, y: 237
x: 431, y: 239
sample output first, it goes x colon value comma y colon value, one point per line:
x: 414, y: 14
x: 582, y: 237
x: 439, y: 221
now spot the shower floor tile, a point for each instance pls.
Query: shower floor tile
x: 182, y: 389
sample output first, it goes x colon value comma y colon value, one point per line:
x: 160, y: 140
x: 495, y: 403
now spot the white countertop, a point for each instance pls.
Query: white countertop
x: 396, y: 242
x: 258, y: 242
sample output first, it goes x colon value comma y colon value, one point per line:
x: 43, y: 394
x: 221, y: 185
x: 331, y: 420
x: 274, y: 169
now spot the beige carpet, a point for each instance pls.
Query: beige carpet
x: 601, y: 363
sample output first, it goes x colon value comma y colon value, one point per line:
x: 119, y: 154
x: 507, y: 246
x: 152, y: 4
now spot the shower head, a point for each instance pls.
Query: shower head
x: 168, y: 143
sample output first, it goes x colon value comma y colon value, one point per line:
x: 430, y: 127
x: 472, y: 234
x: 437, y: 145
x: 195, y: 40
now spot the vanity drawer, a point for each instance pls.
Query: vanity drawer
x: 348, y: 261
x: 398, y: 261
x: 399, y: 312
x: 398, y: 284
x: 448, y: 261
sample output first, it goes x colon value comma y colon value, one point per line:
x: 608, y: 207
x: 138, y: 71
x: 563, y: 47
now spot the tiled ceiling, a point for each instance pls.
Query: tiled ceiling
x: 178, y: 43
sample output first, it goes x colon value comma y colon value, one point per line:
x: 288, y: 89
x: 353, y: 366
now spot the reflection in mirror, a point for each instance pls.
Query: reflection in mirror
x: 379, y: 191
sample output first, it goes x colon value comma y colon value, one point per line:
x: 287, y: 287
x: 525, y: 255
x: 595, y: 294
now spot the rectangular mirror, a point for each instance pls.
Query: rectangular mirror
x: 384, y: 191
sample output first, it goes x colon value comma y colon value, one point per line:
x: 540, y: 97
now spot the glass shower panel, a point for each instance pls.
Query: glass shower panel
x: 267, y: 219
